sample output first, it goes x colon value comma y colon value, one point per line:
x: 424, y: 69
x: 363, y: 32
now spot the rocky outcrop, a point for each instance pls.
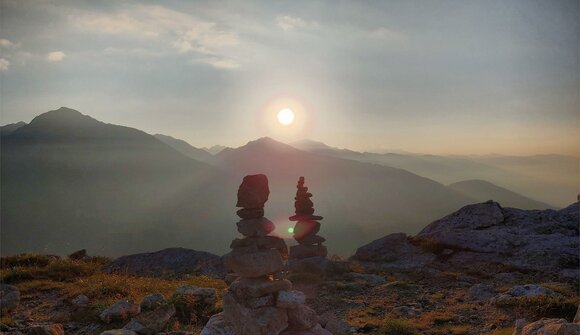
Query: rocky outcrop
x: 169, y: 263
x: 121, y: 310
x: 9, y: 298
x: 551, y: 327
x: 541, y: 240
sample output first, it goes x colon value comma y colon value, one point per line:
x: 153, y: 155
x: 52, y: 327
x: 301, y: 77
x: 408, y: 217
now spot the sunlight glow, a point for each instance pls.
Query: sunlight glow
x: 285, y: 116
x: 290, y: 230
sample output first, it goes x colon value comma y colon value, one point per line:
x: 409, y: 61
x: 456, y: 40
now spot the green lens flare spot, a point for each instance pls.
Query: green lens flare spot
x: 290, y: 230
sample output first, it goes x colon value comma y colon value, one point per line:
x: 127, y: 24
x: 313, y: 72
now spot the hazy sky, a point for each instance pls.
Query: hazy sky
x: 457, y: 77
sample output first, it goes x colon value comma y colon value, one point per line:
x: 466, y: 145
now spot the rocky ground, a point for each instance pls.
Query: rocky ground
x: 432, y: 283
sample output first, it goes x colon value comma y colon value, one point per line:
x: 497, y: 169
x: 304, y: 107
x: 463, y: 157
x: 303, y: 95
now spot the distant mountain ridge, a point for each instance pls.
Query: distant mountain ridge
x: 185, y: 148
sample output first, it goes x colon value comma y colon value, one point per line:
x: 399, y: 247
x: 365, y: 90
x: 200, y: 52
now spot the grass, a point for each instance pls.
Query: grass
x: 392, y: 326
x: 542, y: 306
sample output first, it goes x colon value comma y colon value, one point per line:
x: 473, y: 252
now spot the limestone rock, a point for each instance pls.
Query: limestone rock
x: 317, y: 265
x: 152, y: 322
x: 261, y: 243
x: 259, y: 321
x: 255, y: 264
x: 394, y: 250
x: 250, y: 213
x: 217, y: 325
x: 246, y: 288
x: 121, y: 310
x: 253, y: 192
x: 290, y: 299
x: 54, y: 329
x: 301, y: 318
x: 302, y: 229
x: 152, y: 301
x: 263, y: 301
x: 80, y: 300
x: 9, y: 298
x: 310, y: 240
x: 551, y: 327
x: 530, y: 290
x: 255, y: 227
x: 80, y: 254
x: 332, y: 324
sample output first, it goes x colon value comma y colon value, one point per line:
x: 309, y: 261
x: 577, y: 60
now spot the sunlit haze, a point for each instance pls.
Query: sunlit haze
x: 441, y: 77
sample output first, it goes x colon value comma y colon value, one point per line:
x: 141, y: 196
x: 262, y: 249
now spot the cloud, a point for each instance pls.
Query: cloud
x: 4, y: 64
x: 289, y: 23
x: 55, y: 56
x: 4, y: 43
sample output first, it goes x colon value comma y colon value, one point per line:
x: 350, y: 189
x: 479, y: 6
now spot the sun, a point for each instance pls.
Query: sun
x: 286, y: 116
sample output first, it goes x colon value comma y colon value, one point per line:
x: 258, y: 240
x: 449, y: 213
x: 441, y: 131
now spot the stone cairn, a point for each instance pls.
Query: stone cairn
x: 260, y: 301
x: 307, y: 226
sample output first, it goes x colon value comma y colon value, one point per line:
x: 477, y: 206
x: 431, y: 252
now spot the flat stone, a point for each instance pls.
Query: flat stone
x: 250, y: 213
x: 252, y: 265
x: 305, y: 251
x: 259, y: 321
x: 261, y: 243
x: 301, y: 318
x: 255, y: 227
x: 314, y: 265
x: 290, y: 299
x: 263, y: 301
x: 121, y: 310
x: 311, y: 239
x: 246, y: 288
x: 305, y: 217
x: 306, y: 228
x: 253, y: 192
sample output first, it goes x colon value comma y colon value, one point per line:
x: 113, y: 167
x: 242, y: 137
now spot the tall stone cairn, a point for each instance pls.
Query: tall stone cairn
x: 307, y: 226
x: 260, y: 301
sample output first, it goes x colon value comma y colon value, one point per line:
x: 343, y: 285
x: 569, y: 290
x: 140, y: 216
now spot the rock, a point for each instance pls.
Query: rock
x: 53, y: 329
x: 481, y: 292
x: 577, y: 316
x: 194, y: 303
x: 311, y: 239
x: 121, y: 310
x: 332, y: 324
x: 368, y: 279
x: 80, y: 254
x: 255, y: 227
x: 118, y: 332
x: 519, y: 326
x: 246, y: 288
x: 218, y: 326
x: 250, y: 213
x: 261, y: 243
x: 152, y: 322
x: 152, y: 301
x: 407, y: 311
x: 80, y: 300
x: 316, y: 330
x: 290, y: 299
x: 396, y: 251
x: 208, y: 295
x: 317, y: 265
x: 551, y: 327
x: 303, y: 229
x: 9, y: 298
x: 263, y: 301
x: 253, y: 192
x: 301, y: 318
x: 255, y: 264
x: 169, y: 263
x: 529, y: 290
x: 260, y: 321
x: 305, y: 251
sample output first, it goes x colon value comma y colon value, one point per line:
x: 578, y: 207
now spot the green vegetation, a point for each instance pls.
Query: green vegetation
x: 392, y: 326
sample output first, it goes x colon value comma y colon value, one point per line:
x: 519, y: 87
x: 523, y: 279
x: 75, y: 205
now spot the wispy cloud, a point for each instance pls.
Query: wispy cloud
x: 7, y: 44
x: 55, y: 56
x: 4, y: 64
x: 289, y: 23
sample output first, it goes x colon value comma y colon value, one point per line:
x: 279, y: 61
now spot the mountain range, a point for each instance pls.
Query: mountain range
x: 71, y: 182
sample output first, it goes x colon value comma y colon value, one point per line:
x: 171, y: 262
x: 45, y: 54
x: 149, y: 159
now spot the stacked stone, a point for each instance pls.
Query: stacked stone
x: 307, y: 226
x: 260, y: 301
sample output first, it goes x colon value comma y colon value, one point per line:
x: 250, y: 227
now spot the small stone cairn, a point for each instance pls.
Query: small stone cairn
x: 260, y: 301
x: 307, y: 226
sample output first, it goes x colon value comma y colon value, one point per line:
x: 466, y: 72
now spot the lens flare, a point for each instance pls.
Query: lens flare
x: 286, y: 116
x: 290, y: 230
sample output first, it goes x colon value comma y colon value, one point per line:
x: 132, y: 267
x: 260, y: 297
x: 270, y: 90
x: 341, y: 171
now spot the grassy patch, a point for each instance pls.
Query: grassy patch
x: 542, y: 307
x: 392, y: 326
x: 25, y: 260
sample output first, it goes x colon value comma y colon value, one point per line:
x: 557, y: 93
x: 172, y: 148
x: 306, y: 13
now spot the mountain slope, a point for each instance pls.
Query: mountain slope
x: 72, y: 182
x: 482, y: 190
x: 10, y: 128
x: 185, y: 148
x: 358, y: 200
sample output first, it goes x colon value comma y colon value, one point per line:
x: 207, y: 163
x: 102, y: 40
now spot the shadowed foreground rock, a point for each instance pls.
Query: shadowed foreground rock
x: 260, y: 301
x: 169, y: 263
x: 541, y: 240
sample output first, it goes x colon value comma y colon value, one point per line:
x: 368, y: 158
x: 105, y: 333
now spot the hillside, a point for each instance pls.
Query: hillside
x: 185, y: 148
x: 482, y: 190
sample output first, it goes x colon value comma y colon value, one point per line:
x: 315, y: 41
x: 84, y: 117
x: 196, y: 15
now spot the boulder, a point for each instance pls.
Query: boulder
x: 263, y: 301
x: 255, y: 227
x: 316, y: 330
x: 332, y: 324
x: 530, y: 290
x: 250, y: 213
x: 80, y: 300
x: 80, y: 254
x: 217, y: 325
x: 246, y: 288
x: 194, y: 303
x: 253, y: 191
x: 53, y: 329
x: 395, y: 251
x: 254, y: 264
x: 121, y: 310
x: 259, y: 321
x: 9, y: 298
x: 169, y: 263
x: 152, y: 301
x: 290, y: 299
x: 152, y: 322
x: 302, y: 317
x: 551, y: 327
x: 261, y: 243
